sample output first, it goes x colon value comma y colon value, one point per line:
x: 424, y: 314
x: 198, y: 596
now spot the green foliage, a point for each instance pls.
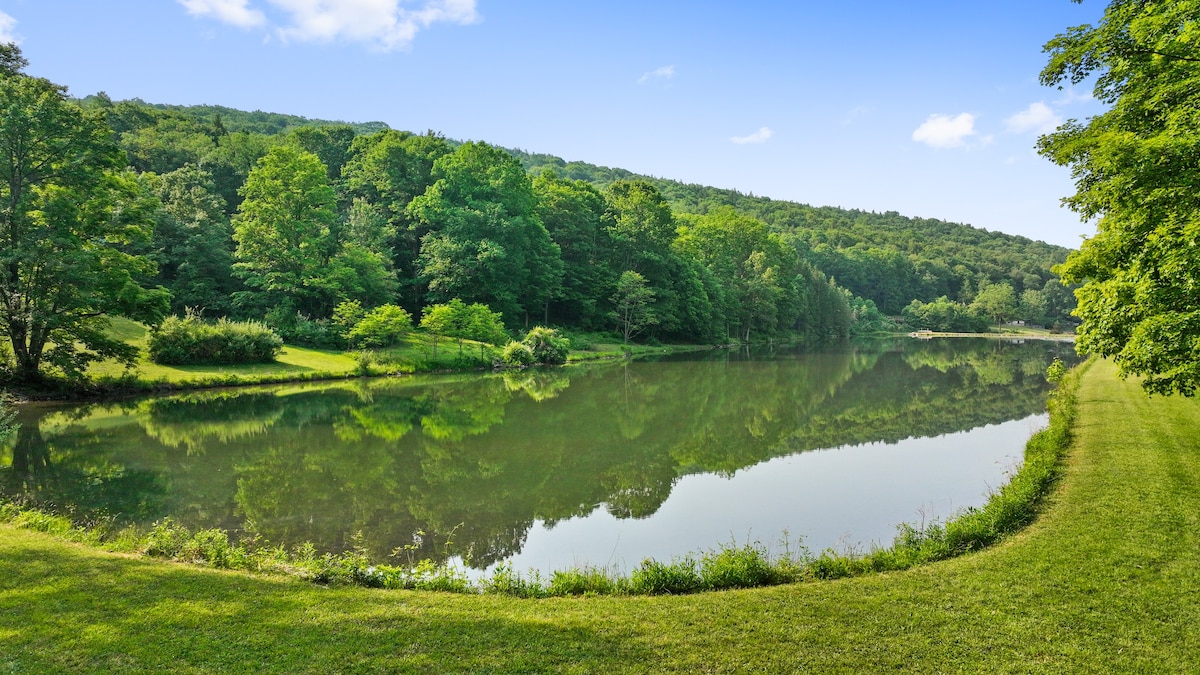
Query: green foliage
x: 943, y: 315
x: 383, y: 326
x: 457, y: 319
x: 657, y: 578
x: 297, y: 329
x: 1056, y: 371
x: 70, y: 218
x: 573, y: 212
x: 346, y: 316
x: 884, y: 257
x: 996, y: 301
x: 739, y: 567
x: 866, y: 318
x: 193, y: 341
x: 284, y: 231
x: 289, y: 248
x: 192, y: 242
x: 486, y: 243
x: 1135, y: 172
x: 518, y: 355
x: 547, y: 345
x: 633, y: 301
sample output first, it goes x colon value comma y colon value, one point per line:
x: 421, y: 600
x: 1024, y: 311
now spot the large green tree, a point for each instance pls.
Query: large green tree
x: 573, y: 212
x: 290, y: 250
x: 755, y: 268
x: 386, y: 170
x: 486, y: 243
x: 1136, y: 168
x: 69, y: 215
x: 192, y: 241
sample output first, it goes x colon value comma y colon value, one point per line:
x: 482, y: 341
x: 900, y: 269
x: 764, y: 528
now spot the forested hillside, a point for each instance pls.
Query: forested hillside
x: 284, y: 218
x: 886, y: 257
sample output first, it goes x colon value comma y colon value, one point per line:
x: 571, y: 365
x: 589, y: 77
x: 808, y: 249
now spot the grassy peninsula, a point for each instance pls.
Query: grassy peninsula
x: 1104, y: 581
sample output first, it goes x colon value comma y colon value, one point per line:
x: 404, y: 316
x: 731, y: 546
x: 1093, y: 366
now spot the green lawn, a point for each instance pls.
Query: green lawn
x: 418, y: 352
x: 293, y: 362
x: 1107, y: 580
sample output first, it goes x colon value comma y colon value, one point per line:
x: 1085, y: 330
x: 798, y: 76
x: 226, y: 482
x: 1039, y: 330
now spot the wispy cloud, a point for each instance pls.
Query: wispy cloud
x: 1038, y: 117
x: 384, y: 24
x: 7, y: 29
x: 855, y: 114
x: 944, y: 131
x: 234, y: 12
x: 664, y: 72
x: 761, y: 136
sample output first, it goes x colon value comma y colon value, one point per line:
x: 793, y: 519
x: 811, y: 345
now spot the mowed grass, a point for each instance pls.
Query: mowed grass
x: 417, y: 352
x: 297, y: 362
x: 1106, y: 580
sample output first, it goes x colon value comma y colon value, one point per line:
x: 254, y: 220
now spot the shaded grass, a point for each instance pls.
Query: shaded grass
x: 1104, y: 581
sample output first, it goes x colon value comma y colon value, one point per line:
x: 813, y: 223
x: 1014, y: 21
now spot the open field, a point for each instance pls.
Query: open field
x: 1104, y: 581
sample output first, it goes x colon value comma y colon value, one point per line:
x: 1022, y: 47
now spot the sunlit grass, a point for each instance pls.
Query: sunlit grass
x: 418, y: 352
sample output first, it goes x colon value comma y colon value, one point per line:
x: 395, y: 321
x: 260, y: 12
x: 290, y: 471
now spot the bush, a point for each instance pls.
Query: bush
x: 383, y: 326
x: 316, y: 333
x: 518, y: 355
x: 547, y: 345
x: 193, y: 341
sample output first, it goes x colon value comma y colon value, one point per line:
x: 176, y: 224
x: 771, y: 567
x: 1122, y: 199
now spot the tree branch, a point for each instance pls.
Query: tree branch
x: 1174, y: 57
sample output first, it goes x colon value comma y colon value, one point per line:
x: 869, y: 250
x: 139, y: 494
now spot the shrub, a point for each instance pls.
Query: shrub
x: 547, y: 345
x: 518, y: 355
x: 193, y: 341
x: 316, y: 333
x: 346, y: 316
x: 383, y: 326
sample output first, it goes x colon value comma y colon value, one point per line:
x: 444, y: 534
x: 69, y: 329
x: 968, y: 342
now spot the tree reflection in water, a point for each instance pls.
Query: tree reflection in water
x: 474, y: 460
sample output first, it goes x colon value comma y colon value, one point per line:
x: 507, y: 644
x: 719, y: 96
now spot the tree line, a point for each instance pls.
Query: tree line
x: 885, y: 257
x: 287, y: 226
x: 160, y: 210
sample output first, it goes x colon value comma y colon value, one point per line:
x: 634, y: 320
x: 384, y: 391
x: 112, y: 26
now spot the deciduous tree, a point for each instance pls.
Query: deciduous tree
x: 68, y: 212
x: 1136, y: 169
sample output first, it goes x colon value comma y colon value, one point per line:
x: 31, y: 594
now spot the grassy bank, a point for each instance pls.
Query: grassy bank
x: 418, y: 352
x: 1105, y: 580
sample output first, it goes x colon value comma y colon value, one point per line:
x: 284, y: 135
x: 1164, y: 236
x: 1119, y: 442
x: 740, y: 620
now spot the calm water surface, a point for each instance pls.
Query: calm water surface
x: 598, y: 465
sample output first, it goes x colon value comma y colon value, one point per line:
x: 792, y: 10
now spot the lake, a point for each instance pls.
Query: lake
x: 601, y: 464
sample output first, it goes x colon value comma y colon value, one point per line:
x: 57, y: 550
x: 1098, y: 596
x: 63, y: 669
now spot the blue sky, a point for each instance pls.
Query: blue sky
x: 930, y: 109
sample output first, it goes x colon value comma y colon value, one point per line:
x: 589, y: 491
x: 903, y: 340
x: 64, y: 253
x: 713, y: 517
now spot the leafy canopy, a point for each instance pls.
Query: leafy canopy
x: 70, y: 214
x: 1136, y: 168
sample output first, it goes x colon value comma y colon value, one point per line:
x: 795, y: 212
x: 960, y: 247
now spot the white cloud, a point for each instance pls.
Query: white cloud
x: 236, y: 12
x: 382, y: 22
x: 760, y: 136
x: 385, y: 24
x: 944, y: 131
x: 7, y: 24
x: 1038, y: 117
x: 663, y: 71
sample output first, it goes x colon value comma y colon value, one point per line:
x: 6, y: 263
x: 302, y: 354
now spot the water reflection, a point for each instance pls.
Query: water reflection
x: 475, y: 461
